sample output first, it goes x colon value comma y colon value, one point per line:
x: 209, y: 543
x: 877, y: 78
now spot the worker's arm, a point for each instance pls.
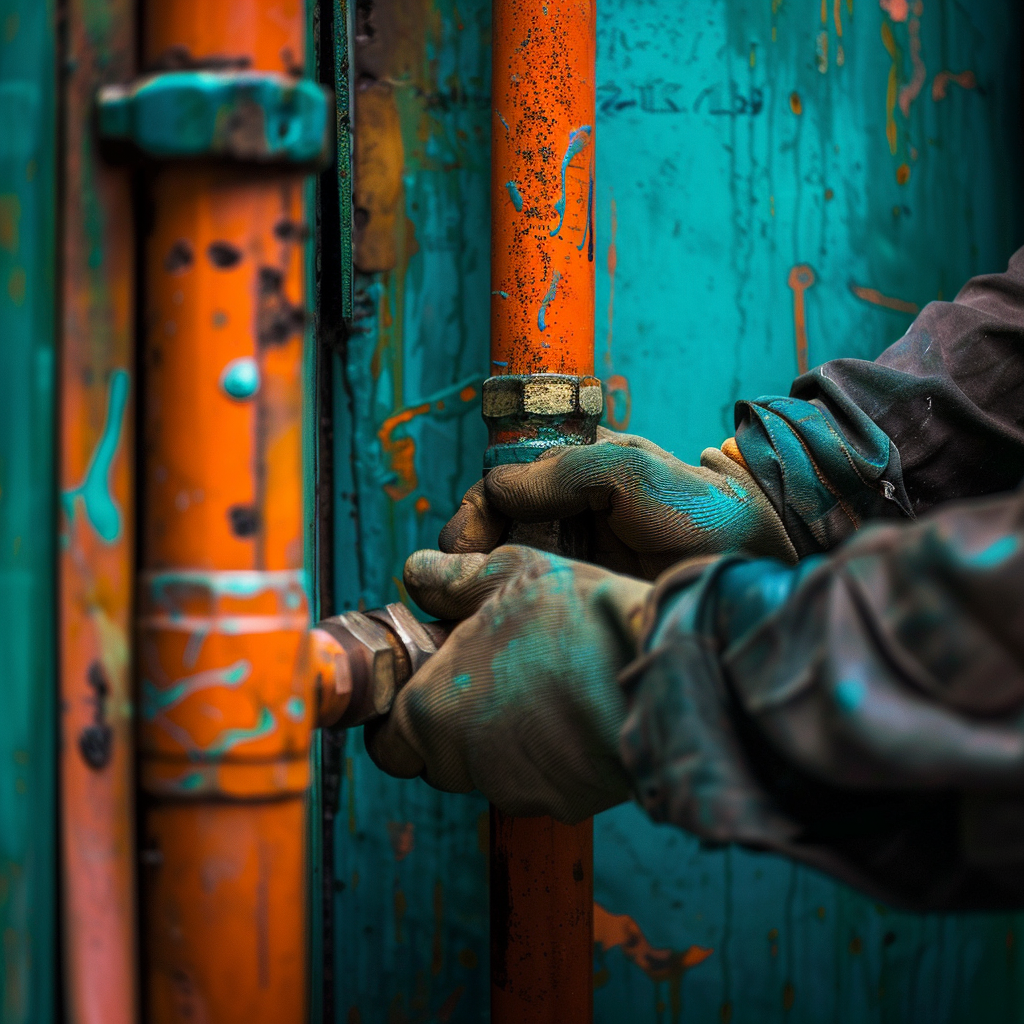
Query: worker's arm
x: 938, y: 416
x: 862, y: 711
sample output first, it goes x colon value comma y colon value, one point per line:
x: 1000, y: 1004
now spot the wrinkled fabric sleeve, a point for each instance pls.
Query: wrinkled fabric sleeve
x: 862, y: 712
x: 938, y: 416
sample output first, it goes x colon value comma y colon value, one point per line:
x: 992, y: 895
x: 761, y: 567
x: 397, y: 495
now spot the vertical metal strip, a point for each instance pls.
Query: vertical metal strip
x: 342, y: 91
x: 97, y: 535
x: 28, y: 302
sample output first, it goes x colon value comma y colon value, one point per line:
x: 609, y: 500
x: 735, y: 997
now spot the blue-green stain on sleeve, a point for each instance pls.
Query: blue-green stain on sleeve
x: 578, y: 140
x: 546, y: 301
x: 995, y: 554
x: 514, y: 195
x: 461, y: 682
x: 100, y: 507
x: 850, y: 694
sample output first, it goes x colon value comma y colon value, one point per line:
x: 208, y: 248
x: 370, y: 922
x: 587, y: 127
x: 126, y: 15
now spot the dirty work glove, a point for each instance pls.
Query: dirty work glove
x: 647, y: 509
x: 521, y: 702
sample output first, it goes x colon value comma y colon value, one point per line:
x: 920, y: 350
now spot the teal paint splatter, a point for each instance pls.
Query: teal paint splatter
x: 94, y: 490
x: 995, y: 554
x: 241, y: 378
x: 504, y: 123
x: 291, y: 583
x: 514, y: 195
x: 231, y: 738
x: 579, y: 138
x: 156, y: 701
x: 461, y: 682
x: 191, y: 782
x: 295, y: 709
x: 504, y: 295
x: 546, y: 301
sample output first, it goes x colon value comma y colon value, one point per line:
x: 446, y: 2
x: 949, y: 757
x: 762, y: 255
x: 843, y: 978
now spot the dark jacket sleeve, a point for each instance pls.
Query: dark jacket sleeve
x: 862, y: 711
x: 938, y: 416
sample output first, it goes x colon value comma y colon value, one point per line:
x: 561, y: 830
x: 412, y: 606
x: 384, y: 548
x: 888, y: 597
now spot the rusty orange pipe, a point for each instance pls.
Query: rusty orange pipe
x: 226, y: 705
x: 97, y: 530
x: 542, y: 321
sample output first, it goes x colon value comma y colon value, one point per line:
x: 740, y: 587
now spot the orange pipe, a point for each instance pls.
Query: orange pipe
x: 542, y: 187
x: 96, y: 467
x: 542, y: 321
x: 226, y: 703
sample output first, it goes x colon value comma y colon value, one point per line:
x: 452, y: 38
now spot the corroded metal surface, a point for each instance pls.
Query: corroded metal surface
x: 97, y: 536
x: 542, y: 187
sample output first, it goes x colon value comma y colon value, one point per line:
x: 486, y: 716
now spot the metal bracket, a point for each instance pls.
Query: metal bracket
x: 250, y: 116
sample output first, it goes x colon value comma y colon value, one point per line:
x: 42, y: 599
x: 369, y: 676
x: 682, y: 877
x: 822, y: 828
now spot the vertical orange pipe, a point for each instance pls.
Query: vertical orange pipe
x: 542, y: 321
x: 96, y: 467
x: 542, y: 187
x: 225, y: 710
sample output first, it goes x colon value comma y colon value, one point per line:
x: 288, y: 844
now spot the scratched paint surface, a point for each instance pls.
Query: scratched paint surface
x: 27, y: 329
x: 774, y: 178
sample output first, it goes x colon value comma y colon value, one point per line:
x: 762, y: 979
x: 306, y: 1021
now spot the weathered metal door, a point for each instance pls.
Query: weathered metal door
x: 776, y: 180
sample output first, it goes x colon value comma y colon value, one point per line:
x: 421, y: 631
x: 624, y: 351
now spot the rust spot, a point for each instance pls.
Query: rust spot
x: 402, y: 836
x: 796, y: 104
x: 902, y: 174
x: 10, y: 215
x: 940, y: 87
x: 467, y: 394
x: 224, y: 255
x: 422, y: 505
x: 180, y: 257
x: 277, y: 319
x: 245, y: 520
x: 788, y: 995
x: 377, y: 177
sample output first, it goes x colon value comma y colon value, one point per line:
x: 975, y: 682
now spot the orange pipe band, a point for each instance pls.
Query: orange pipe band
x: 542, y: 321
x: 226, y: 689
x: 542, y: 187
x: 97, y: 536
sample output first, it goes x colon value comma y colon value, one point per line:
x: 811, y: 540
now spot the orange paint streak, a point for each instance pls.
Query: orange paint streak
x: 898, y: 10
x: 876, y: 298
x: 422, y: 505
x: 401, y: 452
x: 467, y: 394
x: 617, y: 385
x: 801, y: 277
x: 892, y: 89
x: 837, y: 17
x: 902, y: 174
x: 612, y: 930
x: 940, y: 87
x: 796, y: 104
x: 913, y: 88
x: 613, y: 262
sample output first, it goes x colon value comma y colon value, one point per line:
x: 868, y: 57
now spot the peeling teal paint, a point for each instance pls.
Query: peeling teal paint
x: 579, y: 139
x: 514, y: 195
x: 94, y: 490
x: 156, y: 700
x: 231, y: 738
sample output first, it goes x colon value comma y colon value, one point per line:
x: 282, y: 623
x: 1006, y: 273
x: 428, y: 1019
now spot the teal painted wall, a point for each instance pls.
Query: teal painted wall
x: 735, y: 141
x: 28, y: 975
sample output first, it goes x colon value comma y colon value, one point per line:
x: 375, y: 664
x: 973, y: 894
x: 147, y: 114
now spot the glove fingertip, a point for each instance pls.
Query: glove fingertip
x: 389, y: 750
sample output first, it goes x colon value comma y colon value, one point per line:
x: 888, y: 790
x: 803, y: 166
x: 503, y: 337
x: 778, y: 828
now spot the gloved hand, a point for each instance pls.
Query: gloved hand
x: 648, y: 509
x: 521, y: 702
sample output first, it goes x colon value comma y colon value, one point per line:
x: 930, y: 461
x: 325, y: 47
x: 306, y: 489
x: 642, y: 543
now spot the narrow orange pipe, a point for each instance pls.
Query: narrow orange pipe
x: 225, y: 704
x: 542, y: 186
x: 97, y: 536
x: 542, y: 321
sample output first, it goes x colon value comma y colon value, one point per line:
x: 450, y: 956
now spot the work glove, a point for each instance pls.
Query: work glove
x: 645, y: 509
x: 521, y: 702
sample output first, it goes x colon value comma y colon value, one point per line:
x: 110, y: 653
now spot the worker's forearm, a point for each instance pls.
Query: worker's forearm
x: 847, y: 710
